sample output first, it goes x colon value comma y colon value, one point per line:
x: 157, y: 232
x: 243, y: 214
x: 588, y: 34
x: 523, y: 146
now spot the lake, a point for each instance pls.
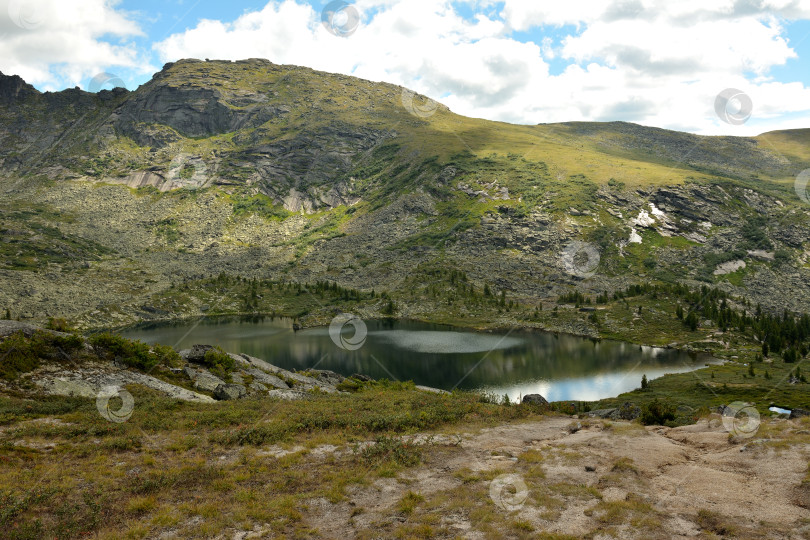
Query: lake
x: 560, y: 367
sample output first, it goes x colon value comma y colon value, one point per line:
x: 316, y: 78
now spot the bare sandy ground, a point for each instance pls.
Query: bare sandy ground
x: 588, y: 479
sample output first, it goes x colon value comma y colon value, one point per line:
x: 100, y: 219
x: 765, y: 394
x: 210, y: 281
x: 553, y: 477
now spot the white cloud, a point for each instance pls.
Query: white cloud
x: 57, y: 43
x: 654, y: 62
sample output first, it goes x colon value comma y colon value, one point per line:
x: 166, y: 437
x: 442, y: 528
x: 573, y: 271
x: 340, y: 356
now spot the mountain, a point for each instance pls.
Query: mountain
x: 117, y: 206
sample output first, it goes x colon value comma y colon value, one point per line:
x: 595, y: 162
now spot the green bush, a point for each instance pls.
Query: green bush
x: 218, y: 362
x: 17, y: 356
x: 60, y: 325
x: 133, y: 353
x: 392, y: 449
x: 657, y: 413
x: 20, y: 354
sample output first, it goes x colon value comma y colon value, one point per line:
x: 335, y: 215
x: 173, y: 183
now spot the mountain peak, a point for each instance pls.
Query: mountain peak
x: 14, y: 88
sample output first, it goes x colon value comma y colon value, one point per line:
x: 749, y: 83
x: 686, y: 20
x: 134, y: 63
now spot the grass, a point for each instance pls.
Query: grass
x: 175, y: 463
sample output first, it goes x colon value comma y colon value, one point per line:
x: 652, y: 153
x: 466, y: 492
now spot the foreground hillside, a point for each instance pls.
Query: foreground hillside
x: 156, y: 444
x: 181, y: 471
x: 116, y: 205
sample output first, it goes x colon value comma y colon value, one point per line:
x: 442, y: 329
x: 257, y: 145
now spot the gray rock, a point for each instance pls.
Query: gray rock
x: 89, y: 380
x: 225, y: 392
x: 799, y: 413
x: 266, y: 378
x: 534, y: 399
x: 197, y: 353
x: 628, y: 411
x: 258, y: 387
x: 9, y: 327
x: 329, y: 377
x: 203, y: 379
x: 289, y: 395
x: 431, y: 389
x: 602, y: 413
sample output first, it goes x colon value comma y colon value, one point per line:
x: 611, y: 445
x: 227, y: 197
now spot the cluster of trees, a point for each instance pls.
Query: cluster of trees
x: 786, y: 334
x: 251, y: 290
x: 454, y: 286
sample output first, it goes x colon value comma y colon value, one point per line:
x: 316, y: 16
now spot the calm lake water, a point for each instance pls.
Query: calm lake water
x: 559, y: 367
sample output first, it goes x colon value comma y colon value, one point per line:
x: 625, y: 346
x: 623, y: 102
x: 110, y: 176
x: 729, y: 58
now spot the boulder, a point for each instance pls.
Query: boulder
x: 224, y: 392
x: 602, y: 413
x: 203, y: 379
x: 798, y: 413
x: 328, y: 377
x: 289, y: 395
x: 432, y: 390
x: 534, y: 399
x: 628, y: 411
x: 197, y: 353
x: 266, y: 378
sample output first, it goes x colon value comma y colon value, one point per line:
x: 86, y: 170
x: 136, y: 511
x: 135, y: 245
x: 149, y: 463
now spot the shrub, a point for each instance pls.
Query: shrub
x: 392, y: 449
x: 17, y: 356
x: 218, y: 362
x: 133, y: 353
x: 657, y: 413
x: 714, y: 522
x: 60, y: 325
x: 167, y: 356
x: 20, y: 354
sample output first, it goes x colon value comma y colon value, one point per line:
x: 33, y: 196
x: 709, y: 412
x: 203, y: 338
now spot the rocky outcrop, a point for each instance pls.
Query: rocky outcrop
x: 226, y: 392
x: 13, y: 88
x: 628, y: 411
x: 534, y: 399
x: 799, y: 413
x: 89, y: 380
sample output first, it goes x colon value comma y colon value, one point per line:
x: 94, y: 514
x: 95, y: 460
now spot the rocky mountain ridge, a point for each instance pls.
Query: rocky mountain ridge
x: 278, y: 172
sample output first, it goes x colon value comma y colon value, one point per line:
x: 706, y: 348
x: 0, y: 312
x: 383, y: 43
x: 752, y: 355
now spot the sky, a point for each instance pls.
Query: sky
x: 712, y: 67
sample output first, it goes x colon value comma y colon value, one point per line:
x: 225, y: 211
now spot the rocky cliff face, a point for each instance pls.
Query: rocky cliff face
x: 262, y: 170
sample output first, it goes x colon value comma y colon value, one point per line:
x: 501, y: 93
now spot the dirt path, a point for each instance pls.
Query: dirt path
x: 596, y: 479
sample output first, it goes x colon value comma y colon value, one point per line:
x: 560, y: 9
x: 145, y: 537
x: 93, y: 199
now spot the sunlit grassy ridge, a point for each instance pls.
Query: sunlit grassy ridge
x: 316, y: 101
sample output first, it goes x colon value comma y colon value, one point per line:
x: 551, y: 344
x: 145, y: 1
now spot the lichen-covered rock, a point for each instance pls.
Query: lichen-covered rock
x: 534, y: 399
x: 225, y: 392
